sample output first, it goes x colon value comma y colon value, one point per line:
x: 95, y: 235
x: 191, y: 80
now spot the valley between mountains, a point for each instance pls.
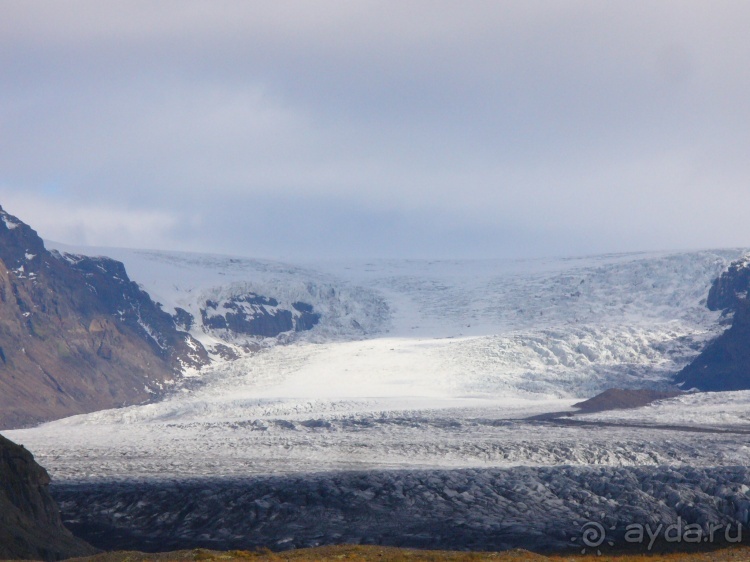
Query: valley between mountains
x: 234, y: 403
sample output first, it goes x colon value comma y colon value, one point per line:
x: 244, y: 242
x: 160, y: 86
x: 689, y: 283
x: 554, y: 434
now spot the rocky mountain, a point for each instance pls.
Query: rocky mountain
x: 133, y: 307
x: 725, y: 362
x: 30, y: 524
x: 78, y: 335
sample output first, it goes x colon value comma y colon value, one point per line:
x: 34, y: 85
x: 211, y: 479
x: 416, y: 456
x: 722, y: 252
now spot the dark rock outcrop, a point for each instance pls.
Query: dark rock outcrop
x: 30, y: 523
x: 725, y: 362
x: 621, y: 399
x: 183, y: 319
x: 256, y: 315
x: 732, y: 287
x: 307, y: 317
x: 77, y: 335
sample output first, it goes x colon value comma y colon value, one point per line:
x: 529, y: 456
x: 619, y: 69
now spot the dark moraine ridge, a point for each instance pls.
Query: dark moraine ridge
x: 541, y: 509
x: 622, y: 399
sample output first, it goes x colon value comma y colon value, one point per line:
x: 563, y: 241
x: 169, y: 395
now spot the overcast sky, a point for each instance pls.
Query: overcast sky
x: 345, y: 128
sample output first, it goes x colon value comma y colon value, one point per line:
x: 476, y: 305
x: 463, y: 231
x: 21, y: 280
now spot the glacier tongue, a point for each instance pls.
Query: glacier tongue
x: 443, y: 344
x: 535, y: 328
x: 410, y: 415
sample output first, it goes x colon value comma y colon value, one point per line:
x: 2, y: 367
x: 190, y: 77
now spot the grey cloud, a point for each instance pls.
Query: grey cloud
x: 439, y: 128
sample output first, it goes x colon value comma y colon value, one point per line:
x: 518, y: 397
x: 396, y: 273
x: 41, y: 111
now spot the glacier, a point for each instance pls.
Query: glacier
x: 419, y: 370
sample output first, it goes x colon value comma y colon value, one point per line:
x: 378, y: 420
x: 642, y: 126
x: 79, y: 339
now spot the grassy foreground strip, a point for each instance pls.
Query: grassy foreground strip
x: 377, y: 553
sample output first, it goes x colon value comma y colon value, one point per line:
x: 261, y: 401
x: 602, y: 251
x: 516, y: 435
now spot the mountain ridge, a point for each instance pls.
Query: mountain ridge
x: 724, y: 364
x: 62, y: 352
x: 77, y: 335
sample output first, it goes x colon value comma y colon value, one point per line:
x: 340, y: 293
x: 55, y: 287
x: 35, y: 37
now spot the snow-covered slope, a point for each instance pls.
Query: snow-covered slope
x: 189, y: 281
x: 408, y: 358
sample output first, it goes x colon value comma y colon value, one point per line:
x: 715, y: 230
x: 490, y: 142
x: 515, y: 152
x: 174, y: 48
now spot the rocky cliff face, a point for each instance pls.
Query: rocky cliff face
x: 256, y: 315
x: 133, y: 307
x: 30, y: 524
x: 76, y: 335
x: 725, y: 363
x: 732, y: 288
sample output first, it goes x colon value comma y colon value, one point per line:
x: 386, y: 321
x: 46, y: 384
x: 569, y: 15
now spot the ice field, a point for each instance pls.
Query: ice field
x: 417, y: 364
x: 410, y: 415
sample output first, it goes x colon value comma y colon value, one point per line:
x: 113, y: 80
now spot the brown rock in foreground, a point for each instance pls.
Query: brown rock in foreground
x: 30, y: 524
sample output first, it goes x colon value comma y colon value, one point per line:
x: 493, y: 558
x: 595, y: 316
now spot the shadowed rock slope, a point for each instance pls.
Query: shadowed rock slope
x: 30, y: 525
x: 76, y: 335
x: 621, y: 399
x: 725, y: 363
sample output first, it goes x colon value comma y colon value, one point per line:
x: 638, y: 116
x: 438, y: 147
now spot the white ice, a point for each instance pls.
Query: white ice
x: 414, y: 363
